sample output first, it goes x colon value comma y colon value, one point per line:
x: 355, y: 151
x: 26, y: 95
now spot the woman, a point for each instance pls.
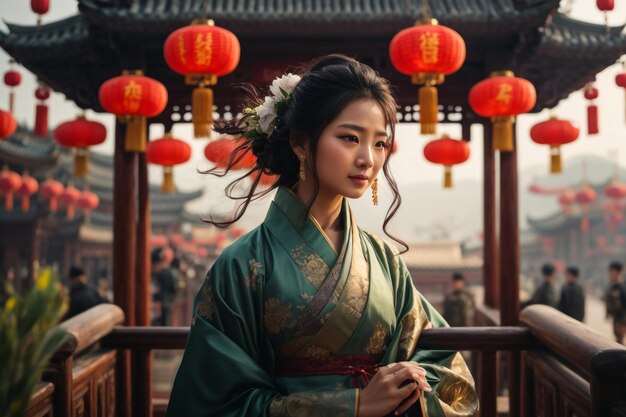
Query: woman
x: 307, y: 315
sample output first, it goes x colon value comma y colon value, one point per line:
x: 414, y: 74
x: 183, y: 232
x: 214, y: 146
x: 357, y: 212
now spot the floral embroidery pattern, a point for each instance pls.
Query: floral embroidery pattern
x: 312, y: 266
x: 315, y: 352
x: 318, y: 404
x: 206, y: 305
x: 252, y: 280
x: 357, y: 289
x: 409, y: 335
x: 276, y: 316
x: 376, y: 343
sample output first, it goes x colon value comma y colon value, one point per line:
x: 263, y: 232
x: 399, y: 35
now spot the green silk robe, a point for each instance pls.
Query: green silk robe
x: 282, y: 292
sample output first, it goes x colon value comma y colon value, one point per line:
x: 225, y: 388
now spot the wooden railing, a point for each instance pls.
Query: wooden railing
x: 567, y: 368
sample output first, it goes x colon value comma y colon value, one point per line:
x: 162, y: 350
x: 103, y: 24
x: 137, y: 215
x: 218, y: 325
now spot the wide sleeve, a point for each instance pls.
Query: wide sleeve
x: 227, y: 366
x: 454, y: 393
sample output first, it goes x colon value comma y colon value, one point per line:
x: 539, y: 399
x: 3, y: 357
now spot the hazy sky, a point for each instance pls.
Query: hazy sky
x: 409, y: 164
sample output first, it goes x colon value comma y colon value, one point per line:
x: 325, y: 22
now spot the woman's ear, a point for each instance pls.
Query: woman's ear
x: 300, y: 146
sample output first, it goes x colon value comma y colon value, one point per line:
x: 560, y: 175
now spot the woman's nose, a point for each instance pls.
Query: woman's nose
x: 365, y: 157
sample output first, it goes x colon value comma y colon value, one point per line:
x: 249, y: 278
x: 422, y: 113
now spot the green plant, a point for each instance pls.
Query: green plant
x: 28, y: 338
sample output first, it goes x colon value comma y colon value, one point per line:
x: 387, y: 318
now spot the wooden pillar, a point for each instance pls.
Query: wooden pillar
x: 510, y: 265
x: 124, y: 256
x: 142, y: 360
x: 491, y: 277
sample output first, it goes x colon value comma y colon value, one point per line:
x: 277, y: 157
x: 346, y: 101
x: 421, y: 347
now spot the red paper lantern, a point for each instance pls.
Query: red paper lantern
x: 202, y: 52
x: 27, y: 189
x: 554, y: 133
x: 40, y: 7
x: 606, y: 6
x: 620, y: 79
x: 447, y: 152
x: 177, y: 239
x: 616, y: 190
x: 10, y: 182
x: 80, y: 134
x: 133, y: 98
x: 69, y: 199
x: 502, y: 97
x: 220, y: 151
x: 12, y: 79
x: 88, y: 201
x: 586, y: 195
x: 158, y: 241
x: 591, y: 93
x: 427, y: 52
x: 7, y: 124
x: 168, y: 152
x: 42, y: 93
x: 51, y: 190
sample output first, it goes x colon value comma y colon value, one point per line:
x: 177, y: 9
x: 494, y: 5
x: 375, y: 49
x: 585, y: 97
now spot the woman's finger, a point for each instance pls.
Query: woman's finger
x: 408, y: 402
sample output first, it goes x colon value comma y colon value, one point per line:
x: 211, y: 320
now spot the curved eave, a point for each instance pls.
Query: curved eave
x: 41, y: 44
x: 303, y: 19
x: 567, y: 44
x: 558, y: 221
x: 160, y: 218
x: 158, y: 200
x: 25, y: 150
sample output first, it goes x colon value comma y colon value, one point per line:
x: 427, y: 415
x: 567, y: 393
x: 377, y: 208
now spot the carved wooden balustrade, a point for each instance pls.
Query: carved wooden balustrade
x: 567, y: 369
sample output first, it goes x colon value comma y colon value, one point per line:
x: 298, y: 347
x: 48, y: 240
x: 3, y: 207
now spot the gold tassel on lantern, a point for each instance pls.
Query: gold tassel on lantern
x: 503, y: 133
x: 168, y: 180
x: 555, y: 160
x: 136, y: 134
x: 447, y: 179
x: 202, y: 111
x: 81, y: 162
x: 428, y: 101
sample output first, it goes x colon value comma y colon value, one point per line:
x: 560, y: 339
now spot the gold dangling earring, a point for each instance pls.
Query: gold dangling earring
x: 375, y: 191
x: 302, y: 173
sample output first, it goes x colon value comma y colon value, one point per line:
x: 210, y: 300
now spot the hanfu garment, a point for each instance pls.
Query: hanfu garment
x: 285, y: 325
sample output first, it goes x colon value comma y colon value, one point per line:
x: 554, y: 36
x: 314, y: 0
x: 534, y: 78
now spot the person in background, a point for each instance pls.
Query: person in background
x: 104, y: 287
x: 544, y: 294
x: 458, y: 306
x: 83, y: 296
x: 166, y: 283
x: 616, y: 300
x: 572, y: 300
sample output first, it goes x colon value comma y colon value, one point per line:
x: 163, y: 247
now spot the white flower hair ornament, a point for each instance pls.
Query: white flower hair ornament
x: 262, y: 120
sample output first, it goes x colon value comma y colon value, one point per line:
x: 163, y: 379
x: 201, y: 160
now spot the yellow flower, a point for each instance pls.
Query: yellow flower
x: 44, y: 279
x: 10, y: 305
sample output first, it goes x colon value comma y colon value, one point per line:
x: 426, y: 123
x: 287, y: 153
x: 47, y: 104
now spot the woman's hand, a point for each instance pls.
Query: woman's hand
x: 394, y: 388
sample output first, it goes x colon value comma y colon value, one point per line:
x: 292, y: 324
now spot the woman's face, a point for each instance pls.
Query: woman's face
x: 352, y: 149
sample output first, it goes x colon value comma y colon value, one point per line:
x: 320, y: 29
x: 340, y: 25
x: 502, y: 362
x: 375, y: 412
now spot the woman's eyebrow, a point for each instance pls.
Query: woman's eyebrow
x: 361, y: 129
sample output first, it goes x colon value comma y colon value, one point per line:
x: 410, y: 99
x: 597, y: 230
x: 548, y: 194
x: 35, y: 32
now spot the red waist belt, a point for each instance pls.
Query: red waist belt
x: 360, y: 367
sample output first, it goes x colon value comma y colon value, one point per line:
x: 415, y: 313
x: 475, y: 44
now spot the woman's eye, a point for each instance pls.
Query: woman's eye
x: 382, y: 144
x: 350, y: 138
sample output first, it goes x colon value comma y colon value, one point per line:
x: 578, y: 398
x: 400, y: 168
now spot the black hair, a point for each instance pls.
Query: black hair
x: 328, y: 85
x: 616, y: 266
x: 573, y: 271
x: 157, y: 255
x: 547, y: 270
x: 76, y: 271
x: 457, y: 276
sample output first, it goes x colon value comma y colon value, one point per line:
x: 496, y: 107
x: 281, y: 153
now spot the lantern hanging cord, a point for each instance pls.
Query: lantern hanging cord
x: 426, y: 14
